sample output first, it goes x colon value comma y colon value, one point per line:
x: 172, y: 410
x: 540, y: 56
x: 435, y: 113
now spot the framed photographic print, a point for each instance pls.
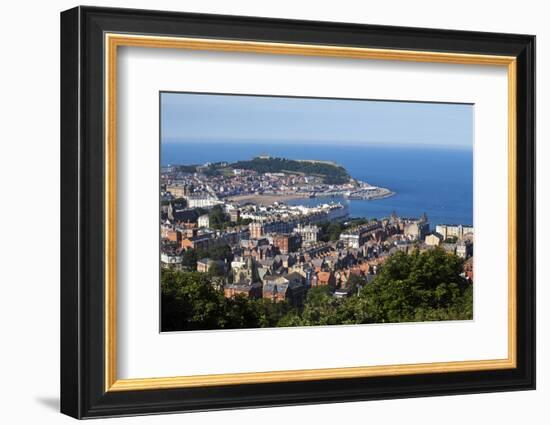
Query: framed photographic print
x: 261, y: 212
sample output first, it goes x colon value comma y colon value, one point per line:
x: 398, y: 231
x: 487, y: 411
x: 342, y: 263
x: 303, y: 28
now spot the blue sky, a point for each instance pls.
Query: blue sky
x: 187, y: 117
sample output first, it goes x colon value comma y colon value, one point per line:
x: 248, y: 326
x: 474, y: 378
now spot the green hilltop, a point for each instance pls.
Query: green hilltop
x: 331, y: 172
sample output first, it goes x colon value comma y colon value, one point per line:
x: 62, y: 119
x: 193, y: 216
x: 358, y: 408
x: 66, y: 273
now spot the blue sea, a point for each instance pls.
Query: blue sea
x: 436, y: 181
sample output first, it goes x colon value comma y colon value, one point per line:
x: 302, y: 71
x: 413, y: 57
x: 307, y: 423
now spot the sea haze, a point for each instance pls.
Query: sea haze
x: 436, y: 181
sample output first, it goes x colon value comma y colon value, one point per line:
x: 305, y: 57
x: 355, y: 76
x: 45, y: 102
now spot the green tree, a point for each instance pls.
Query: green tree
x: 180, y: 202
x: 290, y: 319
x: 321, y: 308
x: 331, y: 173
x: 417, y: 286
x: 216, y: 269
x: 189, y: 302
x: 355, y: 283
x: 189, y: 260
x: 219, y: 252
x: 239, y: 313
x: 217, y: 217
x: 330, y: 231
x: 270, y: 313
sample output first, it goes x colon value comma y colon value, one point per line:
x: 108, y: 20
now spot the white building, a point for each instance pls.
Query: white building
x: 433, y: 239
x: 350, y: 240
x: 452, y: 230
x: 202, y: 201
x: 204, y: 221
x: 308, y: 233
x: 173, y: 260
x: 416, y: 230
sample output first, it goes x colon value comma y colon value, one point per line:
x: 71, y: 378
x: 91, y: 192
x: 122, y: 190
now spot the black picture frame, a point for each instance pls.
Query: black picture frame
x: 83, y: 392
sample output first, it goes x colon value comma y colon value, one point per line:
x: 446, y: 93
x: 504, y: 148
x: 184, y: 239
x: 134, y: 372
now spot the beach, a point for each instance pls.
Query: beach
x: 267, y: 199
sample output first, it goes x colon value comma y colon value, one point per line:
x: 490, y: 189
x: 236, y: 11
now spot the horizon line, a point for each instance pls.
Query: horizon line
x: 289, y: 142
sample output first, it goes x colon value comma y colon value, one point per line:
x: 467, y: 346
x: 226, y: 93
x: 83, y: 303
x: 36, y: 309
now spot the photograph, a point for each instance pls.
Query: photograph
x: 287, y: 210
x: 283, y: 211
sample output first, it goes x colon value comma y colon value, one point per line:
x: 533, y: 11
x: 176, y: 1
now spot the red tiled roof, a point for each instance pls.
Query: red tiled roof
x: 323, y: 276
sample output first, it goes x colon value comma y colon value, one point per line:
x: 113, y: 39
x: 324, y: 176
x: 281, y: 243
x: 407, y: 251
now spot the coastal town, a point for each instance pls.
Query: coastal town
x: 234, y: 222
x: 263, y: 180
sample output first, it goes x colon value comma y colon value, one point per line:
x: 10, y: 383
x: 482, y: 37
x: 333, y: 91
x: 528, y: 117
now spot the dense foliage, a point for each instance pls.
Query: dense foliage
x: 187, y: 168
x: 331, y: 173
x: 331, y: 230
x: 220, y: 252
x: 191, y: 302
x: 219, y: 220
x: 417, y: 287
x: 217, y: 217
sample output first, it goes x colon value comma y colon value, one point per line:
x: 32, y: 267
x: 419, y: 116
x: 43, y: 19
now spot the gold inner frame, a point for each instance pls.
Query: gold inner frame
x: 113, y: 41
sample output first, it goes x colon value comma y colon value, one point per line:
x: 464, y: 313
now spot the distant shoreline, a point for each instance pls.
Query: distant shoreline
x: 430, y: 186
